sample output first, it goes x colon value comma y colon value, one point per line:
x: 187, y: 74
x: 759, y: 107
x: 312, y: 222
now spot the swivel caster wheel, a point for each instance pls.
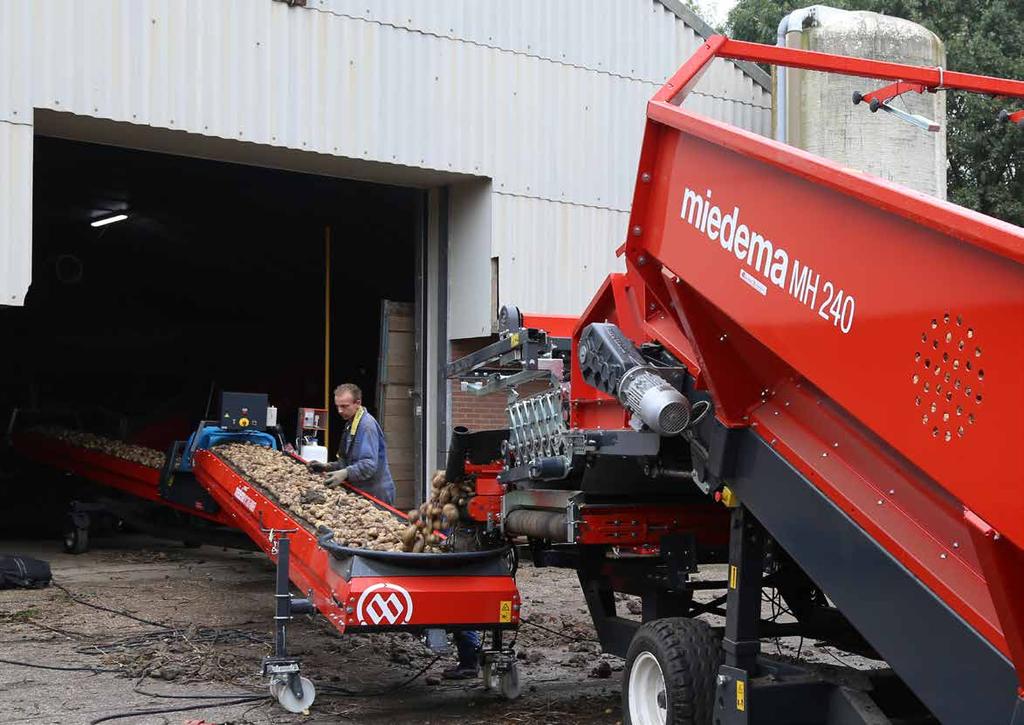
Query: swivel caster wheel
x: 76, y: 540
x: 509, y: 683
x: 280, y: 690
x: 490, y: 677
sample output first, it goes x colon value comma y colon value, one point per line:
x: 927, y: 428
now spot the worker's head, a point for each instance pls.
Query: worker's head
x: 347, y: 399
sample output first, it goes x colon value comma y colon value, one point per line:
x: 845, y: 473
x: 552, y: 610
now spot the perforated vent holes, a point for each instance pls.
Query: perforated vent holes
x: 948, y: 378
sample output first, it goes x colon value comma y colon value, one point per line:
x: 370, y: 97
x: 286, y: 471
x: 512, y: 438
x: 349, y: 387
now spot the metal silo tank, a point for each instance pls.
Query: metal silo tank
x: 815, y: 112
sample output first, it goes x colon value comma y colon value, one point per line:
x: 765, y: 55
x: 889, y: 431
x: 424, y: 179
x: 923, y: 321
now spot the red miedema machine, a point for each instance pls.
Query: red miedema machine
x: 809, y: 375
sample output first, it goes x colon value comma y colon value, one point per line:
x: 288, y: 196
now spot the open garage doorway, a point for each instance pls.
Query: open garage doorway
x: 216, y: 280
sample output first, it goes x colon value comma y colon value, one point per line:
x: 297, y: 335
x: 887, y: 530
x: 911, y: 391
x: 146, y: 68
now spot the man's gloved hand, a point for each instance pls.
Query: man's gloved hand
x: 336, y: 478
x: 316, y: 466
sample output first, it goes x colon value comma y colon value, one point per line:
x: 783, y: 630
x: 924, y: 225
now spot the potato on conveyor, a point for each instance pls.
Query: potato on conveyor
x: 355, y: 520
x: 144, y: 456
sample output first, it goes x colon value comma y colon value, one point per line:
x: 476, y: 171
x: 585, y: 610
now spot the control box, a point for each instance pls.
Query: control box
x: 242, y: 411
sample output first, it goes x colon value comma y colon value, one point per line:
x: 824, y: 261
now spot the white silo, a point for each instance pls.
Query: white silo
x: 815, y: 111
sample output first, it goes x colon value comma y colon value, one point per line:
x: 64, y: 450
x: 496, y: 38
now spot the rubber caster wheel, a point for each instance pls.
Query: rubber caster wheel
x: 76, y: 540
x: 490, y: 678
x: 509, y: 683
x: 669, y: 677
x: 287, y: 699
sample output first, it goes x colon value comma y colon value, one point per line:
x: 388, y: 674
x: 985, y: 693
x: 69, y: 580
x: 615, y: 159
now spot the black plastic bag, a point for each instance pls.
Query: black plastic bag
x: 23, y: 572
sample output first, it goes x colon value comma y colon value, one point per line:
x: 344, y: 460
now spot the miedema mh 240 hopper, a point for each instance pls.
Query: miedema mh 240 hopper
x: 819, y: 375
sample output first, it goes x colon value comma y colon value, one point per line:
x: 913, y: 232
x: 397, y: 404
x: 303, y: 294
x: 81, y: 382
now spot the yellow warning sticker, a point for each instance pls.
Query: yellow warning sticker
x: 514, y: 339
x: 741, y: 695
x: 505, y: 611
x: 732, y: 576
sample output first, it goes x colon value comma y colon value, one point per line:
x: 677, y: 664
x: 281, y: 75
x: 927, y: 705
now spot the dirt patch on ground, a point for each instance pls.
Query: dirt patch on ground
x: 208, y: 623
x: 202, y: 623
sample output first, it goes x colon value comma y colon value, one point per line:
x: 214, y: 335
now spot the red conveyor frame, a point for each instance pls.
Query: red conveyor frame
x: 127, y: 476
x: 421, y: 600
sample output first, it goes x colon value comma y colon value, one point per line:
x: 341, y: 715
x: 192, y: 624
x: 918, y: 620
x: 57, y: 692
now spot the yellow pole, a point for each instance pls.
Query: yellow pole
x: 327, y: 336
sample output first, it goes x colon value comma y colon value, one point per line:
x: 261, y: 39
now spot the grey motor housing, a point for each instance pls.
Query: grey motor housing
x: 611, y: 363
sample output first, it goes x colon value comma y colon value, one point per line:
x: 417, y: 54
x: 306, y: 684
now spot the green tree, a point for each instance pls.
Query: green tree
x: 981, y: 36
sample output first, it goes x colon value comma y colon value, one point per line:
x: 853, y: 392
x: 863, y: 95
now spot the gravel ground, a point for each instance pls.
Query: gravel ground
x: 218, y: 604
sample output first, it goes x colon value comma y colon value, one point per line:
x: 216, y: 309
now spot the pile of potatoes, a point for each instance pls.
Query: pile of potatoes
x: 355, y: 521
x: 447, y: 503
x: 144, y: 456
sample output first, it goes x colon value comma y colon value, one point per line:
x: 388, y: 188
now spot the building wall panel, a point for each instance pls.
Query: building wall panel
x: 544, y: 99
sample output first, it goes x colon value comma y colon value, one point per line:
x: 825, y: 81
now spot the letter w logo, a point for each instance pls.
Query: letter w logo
x: 384, y: 603
x: 381, y: 608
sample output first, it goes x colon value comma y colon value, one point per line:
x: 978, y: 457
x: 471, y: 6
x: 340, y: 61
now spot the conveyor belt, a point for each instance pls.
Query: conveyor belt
x: 127, y: 476
x: 369, y: 591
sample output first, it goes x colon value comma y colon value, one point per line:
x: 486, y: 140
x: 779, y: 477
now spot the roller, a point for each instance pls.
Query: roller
x: 537, y: 525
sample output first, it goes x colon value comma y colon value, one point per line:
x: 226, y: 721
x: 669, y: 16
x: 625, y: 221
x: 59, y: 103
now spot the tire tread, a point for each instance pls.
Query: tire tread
x: 690, y: 655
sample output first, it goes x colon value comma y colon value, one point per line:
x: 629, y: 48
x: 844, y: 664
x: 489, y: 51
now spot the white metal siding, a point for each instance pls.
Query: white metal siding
x: 545, y: 98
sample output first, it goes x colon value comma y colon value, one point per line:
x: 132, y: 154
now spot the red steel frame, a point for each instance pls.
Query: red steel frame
x: 436, y: 600
x: 904, y: 416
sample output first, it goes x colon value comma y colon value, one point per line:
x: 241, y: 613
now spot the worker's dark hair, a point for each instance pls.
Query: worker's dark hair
x: 350, y: 388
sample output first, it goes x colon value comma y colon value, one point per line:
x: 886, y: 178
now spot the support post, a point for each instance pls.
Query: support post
x: 743, y: 603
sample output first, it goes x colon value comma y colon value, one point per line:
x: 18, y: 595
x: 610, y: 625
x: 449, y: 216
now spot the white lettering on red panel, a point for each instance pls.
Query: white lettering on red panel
x: 246, y: 500
x: 768, y: 259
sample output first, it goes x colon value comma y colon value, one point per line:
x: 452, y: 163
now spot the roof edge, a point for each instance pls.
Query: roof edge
x: 701, y: 27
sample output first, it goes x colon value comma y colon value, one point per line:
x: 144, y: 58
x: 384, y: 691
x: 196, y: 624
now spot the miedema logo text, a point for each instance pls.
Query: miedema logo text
x: 766, y: 262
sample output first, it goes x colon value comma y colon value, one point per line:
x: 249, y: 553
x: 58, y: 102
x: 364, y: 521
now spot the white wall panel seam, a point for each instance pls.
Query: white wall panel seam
x: 503, y: 49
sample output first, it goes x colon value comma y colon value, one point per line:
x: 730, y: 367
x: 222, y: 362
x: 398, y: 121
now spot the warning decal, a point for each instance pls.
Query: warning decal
x: 505, y: 611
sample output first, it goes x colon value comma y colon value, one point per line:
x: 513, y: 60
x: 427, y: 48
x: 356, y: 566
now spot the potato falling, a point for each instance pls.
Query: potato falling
x: 355, y: 521
x: 442, y: 511
x: 144, y: 456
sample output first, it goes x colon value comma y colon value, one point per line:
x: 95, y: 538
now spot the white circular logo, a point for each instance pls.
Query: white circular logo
x: 384, y: 602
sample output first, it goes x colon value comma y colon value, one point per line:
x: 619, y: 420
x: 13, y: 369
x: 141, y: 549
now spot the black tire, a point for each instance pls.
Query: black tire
x: 76, y: 540
x: 689, y: 655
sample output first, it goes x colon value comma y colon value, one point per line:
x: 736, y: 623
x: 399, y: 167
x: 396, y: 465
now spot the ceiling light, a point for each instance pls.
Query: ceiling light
x: 108, y: 220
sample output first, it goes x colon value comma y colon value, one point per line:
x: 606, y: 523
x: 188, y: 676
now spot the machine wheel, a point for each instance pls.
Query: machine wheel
x: 76, y: 540
x: 669, y: 677
x: 509, y: 682
x: 487, y: 673
x: 287, y: 699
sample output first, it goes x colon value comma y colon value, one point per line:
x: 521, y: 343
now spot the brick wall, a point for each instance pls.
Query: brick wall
x: 476, y: 412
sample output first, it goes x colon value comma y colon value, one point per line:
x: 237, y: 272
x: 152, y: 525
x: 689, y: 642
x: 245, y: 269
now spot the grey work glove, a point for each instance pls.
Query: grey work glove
x: 336, y: 478
x: 316, y: 466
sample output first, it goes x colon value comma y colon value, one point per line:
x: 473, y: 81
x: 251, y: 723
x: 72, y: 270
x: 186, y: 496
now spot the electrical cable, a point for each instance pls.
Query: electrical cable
x: 224, y: 696
x: 185, y: 708
x: 559, y: 634
x: 79, y: 600
x: 63, y: 669
x: 335, y: 689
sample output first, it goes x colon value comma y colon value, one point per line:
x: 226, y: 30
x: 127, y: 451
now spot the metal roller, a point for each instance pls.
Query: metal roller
x: 537, y: 525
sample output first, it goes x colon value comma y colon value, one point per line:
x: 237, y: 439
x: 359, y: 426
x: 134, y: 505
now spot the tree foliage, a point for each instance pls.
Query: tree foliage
x: 981, y: 36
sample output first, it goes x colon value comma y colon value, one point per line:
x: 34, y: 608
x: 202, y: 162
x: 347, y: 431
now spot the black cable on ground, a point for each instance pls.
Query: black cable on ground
x: 79, y: 600
x: 559, y: 634
x: 55, y: 667
x: 221, y: 696
x: 184, y: 708
x: 387, y: 690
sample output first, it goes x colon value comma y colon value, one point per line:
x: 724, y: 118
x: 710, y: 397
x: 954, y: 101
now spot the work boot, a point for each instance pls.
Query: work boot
x: 461, y: 671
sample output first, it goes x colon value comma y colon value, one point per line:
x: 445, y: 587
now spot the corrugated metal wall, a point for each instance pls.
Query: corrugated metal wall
x: 545, y: 98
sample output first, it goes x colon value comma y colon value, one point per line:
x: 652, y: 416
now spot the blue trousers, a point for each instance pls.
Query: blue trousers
x: 466, y: 644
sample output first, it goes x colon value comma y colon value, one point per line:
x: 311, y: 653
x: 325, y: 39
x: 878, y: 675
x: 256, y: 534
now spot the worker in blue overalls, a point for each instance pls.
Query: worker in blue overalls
x: 363, y: 454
